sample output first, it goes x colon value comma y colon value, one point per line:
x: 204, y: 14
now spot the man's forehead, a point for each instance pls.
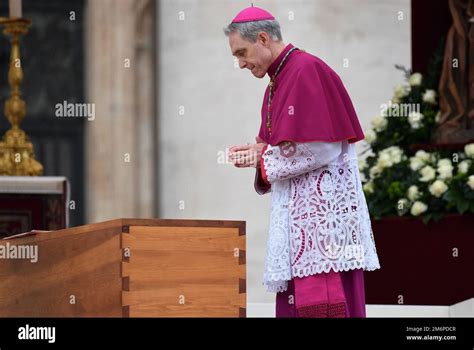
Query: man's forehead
x: 237, y: 43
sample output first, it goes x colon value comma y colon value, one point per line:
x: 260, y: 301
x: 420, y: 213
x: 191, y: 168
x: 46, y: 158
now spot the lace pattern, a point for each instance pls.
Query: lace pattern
x: 319, y: 219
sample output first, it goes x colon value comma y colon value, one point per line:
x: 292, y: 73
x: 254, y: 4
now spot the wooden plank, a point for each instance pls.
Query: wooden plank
x: 167, y: 258
x: 153, y: 282
x: 154, y: 272
x: 187, y: 294
x: 80, y: 268
x: 152, y: 310
x: 184, y: 238
x: 148, y: 264
x: 241, y: 225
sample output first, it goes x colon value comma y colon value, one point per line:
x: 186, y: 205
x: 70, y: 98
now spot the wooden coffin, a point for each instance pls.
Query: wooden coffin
x: 128, y: 268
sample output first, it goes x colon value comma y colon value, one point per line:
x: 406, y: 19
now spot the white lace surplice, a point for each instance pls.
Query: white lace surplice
x: 319, y: 217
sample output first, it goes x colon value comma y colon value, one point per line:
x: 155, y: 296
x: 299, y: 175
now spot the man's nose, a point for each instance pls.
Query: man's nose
x: 242, y: 64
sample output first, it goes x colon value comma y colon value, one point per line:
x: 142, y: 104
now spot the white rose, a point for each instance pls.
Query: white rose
x: 402, y: 206
x: 384, y: 160
x: 415, y: 79
x: 396, y: 153
x: 423, y: 155
x: 415, y: 119
x: 463, y: 167
x: 413, y: 193
x: 445, y: 172
x: 445, y: 169
x: 437, y: 188
x: 416, y: 163
x: 362, y: 164
x: 418, y: 208
x: 375, y: 171
x: 469, y: 150
x: 370, y: 136
x: 427, y: 174
x: 389, y: 156
x: 444, y: 162
x: 437, y: 117
x: 379, y: 123
x: 368, y: 187
x: 470, y: 182
x: 400, y: 92
x: 429, y: 96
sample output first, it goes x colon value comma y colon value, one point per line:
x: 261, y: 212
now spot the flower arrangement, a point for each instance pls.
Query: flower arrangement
x: 399, y: 181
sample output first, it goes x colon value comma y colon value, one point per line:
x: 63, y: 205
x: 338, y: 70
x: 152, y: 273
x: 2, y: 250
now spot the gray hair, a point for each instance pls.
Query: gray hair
x: 250, y: 30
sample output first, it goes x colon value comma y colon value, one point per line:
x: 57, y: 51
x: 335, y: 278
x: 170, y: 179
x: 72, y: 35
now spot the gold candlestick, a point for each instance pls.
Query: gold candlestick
x: 17, y: 157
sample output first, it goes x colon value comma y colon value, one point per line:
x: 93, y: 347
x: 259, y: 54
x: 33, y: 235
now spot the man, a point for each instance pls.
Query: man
x: 320, y: 237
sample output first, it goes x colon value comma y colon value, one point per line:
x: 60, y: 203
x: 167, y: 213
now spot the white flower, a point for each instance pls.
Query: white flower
x: 400, y: 92
x: 362, y: 164
x: 429, y: 96
x: 402, y: 206
x: 375, y: 171
x: 469, y: 150
x: 470, y: 182
x: 427, y: 174
x: 389, y: 156
x: 437, y: 188
x: 415, y: 79
x: 445, y: 169
x: 444, y: 162
x: 415, y: 118
x: 413, y: 194
x: 396, y: 153
x: 370, y: 136
x: 384, y: 160
x: 416, y: 163
x: 437, y: 116
x: 379, y: 123
x: 463, y: 167
x: 445, y: 172
x: 423, y: 155
x: 418, y: 208
x: 368, y: 187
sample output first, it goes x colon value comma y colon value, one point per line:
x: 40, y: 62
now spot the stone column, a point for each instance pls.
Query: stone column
x: 120, y: 149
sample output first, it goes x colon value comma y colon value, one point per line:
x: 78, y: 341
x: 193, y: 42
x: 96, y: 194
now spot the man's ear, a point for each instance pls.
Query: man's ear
x: 264, y: 39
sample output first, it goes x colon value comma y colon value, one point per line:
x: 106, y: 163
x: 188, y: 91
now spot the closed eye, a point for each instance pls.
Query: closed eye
x: 240, y: 53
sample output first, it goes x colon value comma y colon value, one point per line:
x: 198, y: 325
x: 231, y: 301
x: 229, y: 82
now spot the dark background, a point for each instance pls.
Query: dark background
x: 52, y: 55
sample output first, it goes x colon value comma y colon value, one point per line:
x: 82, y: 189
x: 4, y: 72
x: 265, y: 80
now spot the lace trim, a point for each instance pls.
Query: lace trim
x: 337, y: 310
x: 323, y: 310
x: 276, y: 283
x: 276, y: 286
x: 316, y: 311
x: 319, y: 219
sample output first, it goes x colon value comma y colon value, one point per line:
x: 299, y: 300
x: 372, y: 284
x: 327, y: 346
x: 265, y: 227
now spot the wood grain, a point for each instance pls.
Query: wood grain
x: 176, y: 268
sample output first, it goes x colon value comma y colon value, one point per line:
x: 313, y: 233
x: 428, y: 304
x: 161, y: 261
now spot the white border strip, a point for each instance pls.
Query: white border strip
x: 462, y: 309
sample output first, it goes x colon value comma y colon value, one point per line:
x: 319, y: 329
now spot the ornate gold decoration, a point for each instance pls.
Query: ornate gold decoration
x: 17, y: 157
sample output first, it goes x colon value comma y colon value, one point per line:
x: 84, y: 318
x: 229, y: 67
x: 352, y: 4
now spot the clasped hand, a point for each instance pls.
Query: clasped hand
x: 246, y: 156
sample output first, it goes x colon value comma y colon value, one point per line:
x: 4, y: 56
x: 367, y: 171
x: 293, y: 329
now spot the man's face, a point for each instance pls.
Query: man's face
x: 256, y: 57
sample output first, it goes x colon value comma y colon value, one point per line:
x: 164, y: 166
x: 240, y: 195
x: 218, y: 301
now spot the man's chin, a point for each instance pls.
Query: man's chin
x: 258, y: 75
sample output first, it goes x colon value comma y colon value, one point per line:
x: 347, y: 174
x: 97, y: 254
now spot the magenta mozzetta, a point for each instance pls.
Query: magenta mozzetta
x: 308, y: 103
